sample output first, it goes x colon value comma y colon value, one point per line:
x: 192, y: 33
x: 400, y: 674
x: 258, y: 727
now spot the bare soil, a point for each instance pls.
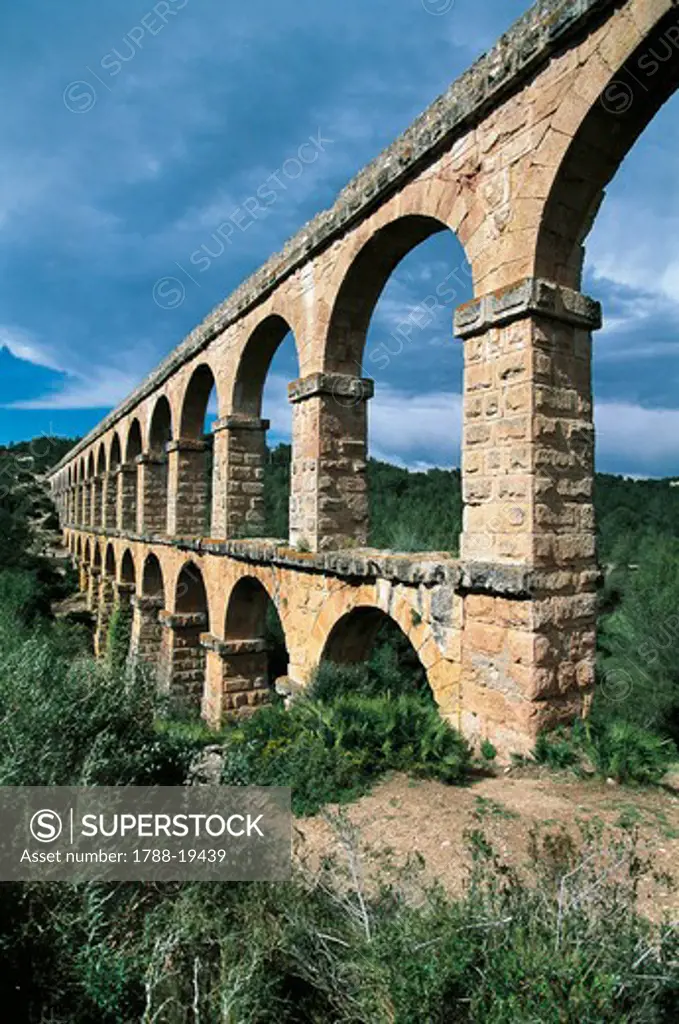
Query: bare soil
x: 404, y: 818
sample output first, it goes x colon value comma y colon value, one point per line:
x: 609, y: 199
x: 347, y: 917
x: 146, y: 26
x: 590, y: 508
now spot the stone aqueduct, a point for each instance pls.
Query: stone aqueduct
x: 514, y: 159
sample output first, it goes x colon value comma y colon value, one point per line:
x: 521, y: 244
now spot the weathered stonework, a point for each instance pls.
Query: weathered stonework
x: 514, y: 159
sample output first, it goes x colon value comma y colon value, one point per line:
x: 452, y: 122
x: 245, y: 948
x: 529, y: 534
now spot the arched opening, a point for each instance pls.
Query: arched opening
x: 391, y: 323
x: 110, y: 562
x: 254, y: 635
x: 255, y: 489
x: 191, y: 514
x: 613, y: 124
x: 152, y: 580
x: 154, y: 482
x: 111, y: 501
x: 127, y: 494
x: 368, y: 637
x: 119, y: 638
x: 90, y: 486
x: 94, y: 580
x: 100, y: 487
x: 187, y: 654
x: 127, y: 572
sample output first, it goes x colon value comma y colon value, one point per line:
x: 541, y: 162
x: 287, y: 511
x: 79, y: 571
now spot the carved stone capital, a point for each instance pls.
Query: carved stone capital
x: 532, y: 296
x: 342, y: 386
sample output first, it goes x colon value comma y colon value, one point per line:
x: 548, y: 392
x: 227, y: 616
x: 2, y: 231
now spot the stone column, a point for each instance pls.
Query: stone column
x: 240, y: 455
x: 83, y: 575
x: 110, y: 501
x: 147, y: 631
x: 528, y: 542
x: 85, y: 514
x: 95, y: 502
x: 236, y: 677
x: 152, y: 490
x: 107, y: 597
x: 329, y: 494
x: 93, y: 577
x: 188, y: 488
x: 126, y: 497
x: 183, y: 657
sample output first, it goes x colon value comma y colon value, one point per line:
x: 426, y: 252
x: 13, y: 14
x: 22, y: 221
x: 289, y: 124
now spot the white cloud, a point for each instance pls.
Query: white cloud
x: 631, y: 431
x: 23, y: 345
x: 105, y: 390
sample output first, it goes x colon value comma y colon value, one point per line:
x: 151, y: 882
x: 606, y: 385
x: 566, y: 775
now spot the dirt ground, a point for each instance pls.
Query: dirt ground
x: 403, y: 818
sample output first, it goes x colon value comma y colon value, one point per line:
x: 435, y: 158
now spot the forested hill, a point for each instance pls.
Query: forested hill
x: 419, y: 511
x: 38, y: 454
x: 423, y: 511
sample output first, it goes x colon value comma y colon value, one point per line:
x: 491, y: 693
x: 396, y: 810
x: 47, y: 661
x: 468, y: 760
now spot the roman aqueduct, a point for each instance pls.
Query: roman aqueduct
x: 514, y: 159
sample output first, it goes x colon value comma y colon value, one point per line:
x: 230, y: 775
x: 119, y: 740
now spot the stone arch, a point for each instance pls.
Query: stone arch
x: 252, y: 616
x: 133, y: 444
x: 195, y: 402
x: 128, y: 573
x: 160, y: 427
x: 335, y: 402
x: 154, y: 479
x: 602, y: 133
x: 152, y: 581
x: 184, y: 631
x: 191, y: 593
x: 110, y: 561
x: 364, y: 282
x: 114, y: 463
x: 128, y: 501
x: 115, y: 456
x: 254, y: 363
x: 99, y: 489
x: 191, y: 468
x: 354, y: 636
x: 239, y: 507
x: 146, y: 642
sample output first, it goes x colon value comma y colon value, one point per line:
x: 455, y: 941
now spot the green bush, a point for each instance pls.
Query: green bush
x: 628, y: 753
x: 332, y: 752
x: 325, y: 948
x: 67, y: 720
x: 614, y: 749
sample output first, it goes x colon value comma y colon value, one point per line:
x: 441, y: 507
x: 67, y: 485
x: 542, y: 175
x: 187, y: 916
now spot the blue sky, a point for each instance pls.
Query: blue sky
x: 130, y: 135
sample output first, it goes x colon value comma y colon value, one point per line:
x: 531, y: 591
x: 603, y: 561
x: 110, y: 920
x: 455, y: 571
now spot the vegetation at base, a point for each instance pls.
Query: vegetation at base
x: 331, y: 752
x: 632, y: 732
x: 66, y: 719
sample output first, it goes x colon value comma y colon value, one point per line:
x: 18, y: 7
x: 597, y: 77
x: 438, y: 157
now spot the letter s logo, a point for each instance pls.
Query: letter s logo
x: 46, y: 826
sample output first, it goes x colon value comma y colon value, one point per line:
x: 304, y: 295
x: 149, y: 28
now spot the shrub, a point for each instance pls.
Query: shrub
x: 332, y: 752
x: 616, y: 749
x: 68, y: 720
x: 628, y: 753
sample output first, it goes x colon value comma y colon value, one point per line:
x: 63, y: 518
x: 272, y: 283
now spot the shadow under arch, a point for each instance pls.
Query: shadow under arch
x: 368, y: 636
x: 186, y: 655
x: 252, y: 616
x: 152, y: 583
